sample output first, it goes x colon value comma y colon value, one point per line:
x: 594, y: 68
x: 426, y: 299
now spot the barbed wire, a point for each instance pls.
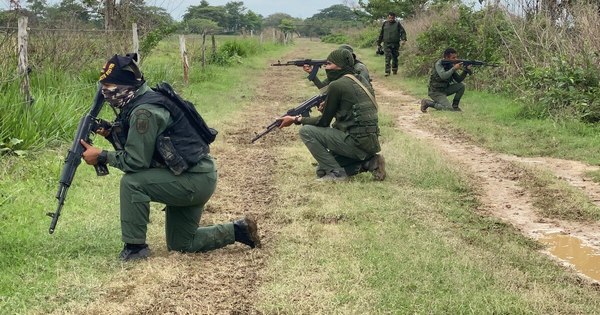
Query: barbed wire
x: 64, y: 29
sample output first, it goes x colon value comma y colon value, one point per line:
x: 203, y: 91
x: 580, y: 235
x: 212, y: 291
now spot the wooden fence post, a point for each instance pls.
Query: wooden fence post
x: 184, y: 58
x: 203, y: 49
x: 214, y: 45
x: 136, y: 40
x: 23, y: 67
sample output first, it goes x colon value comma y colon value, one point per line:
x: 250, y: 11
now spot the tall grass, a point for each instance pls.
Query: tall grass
x: 62, y: 98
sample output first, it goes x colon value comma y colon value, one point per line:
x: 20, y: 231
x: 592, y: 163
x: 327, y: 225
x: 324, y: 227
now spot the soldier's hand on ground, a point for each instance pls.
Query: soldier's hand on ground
x: 286, y: 121
x: 91, y: 153
x: 307, y: 68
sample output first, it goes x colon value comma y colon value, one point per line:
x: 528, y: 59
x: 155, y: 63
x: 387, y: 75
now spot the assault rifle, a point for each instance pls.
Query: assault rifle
x: 302, y: 109
x: 87, y: 125
x: 466, y: 62
x: 315, y: 63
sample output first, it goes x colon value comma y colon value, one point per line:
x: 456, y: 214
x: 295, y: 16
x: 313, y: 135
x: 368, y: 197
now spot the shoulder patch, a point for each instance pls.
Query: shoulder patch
x: 142, y: 120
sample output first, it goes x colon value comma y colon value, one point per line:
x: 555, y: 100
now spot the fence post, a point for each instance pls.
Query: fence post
x: 184, y: 58
x: 136, y: 40
x: 214, y: 45
x: 203, y: 49
x: 23, y: 67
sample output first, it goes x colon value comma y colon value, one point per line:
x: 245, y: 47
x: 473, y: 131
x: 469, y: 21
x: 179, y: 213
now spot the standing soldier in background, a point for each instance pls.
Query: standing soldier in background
x: 391, y: 34
x: 445, y: 81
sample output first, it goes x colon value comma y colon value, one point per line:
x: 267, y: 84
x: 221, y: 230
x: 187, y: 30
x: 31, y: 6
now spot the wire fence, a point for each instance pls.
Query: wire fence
x: 60, y: 50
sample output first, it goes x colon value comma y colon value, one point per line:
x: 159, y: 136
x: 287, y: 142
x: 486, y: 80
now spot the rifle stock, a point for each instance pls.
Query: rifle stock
x: 302, y: 109
x: 87, y: 125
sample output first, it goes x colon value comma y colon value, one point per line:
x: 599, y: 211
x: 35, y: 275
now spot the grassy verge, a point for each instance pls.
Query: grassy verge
x: 555, y: 198
x: 411, y: 244
x: 45, y: 273
x: 495, y: 122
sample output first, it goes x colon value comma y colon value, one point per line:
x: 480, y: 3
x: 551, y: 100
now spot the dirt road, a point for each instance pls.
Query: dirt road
x: 226, y: 281
x: 495, y: 173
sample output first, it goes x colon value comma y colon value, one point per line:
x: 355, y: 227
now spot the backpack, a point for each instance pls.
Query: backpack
x: 208, y: 134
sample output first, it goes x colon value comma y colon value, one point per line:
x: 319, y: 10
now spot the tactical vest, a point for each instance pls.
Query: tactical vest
x: 365, y: 126
x: 436, y: 82
x: 391, y: 32
x: 179, y: 146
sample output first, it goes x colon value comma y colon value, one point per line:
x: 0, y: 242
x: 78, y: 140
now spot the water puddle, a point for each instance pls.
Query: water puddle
x: 584, y: 259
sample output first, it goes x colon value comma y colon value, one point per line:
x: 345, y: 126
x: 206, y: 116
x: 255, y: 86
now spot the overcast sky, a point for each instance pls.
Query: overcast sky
x: 296, y: 8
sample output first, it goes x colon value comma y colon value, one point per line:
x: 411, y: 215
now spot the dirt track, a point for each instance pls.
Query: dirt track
x: 226, y: 281
x: 501, y: 195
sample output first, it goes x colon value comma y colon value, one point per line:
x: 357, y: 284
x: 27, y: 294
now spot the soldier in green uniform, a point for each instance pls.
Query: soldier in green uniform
x: 390, y: 35
x: 445, y: 81
x: 351, y: 144
x: 360, y: 69
x: 147, y: 120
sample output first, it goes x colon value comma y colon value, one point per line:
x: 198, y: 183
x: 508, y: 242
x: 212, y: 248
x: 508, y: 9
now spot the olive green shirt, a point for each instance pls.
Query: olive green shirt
x: 441, y: 78
x: 146, y: 123
x: 343, y: 94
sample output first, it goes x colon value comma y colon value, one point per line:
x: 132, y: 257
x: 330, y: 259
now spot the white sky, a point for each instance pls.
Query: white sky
x: 296, y: 8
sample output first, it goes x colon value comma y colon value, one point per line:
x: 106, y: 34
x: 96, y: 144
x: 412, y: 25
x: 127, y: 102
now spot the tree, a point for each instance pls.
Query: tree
x: 336, y: 12
x: 38, y: 8
x: 287, y: 26
x: 217, y: 14
x: 379, y: 9
x: 275, y: 19
x: 69, y: 11
x: 235, y: 13
x: 252, y: 21
x: 201, y: 26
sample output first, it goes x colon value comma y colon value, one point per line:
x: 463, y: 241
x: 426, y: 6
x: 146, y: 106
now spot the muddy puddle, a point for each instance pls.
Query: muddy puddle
x: 584, y: 259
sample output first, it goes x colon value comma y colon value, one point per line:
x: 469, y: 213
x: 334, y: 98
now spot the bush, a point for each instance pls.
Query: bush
x: 563, y: 89
x: 335, y: 39
x: 233, y: 51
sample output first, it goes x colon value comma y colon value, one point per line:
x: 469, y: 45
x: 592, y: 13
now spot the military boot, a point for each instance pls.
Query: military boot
x: 246, y: 232
x: 425, y: 103
x: 334, y: 176
x: 134, y: 252
x: 376, y: 165
x: 455, y: 107
x: 394, y: 71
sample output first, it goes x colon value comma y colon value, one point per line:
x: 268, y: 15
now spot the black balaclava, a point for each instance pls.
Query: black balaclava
x: 123, y: 72
x: 343, y: 58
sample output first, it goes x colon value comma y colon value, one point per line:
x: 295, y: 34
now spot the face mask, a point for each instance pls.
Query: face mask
x: 119, y: 95
x: 334, y: 74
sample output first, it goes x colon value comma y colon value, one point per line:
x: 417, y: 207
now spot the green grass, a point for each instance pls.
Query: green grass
x: 495, y: 121
x: 411, y: 244
x: 41, y: 272
x: 414, y: 243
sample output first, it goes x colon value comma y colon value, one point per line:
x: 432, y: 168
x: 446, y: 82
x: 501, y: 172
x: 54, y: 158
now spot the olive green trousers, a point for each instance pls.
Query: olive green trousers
x: 333, y: 149
x: 184, y: 196
x: 440, y: 97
